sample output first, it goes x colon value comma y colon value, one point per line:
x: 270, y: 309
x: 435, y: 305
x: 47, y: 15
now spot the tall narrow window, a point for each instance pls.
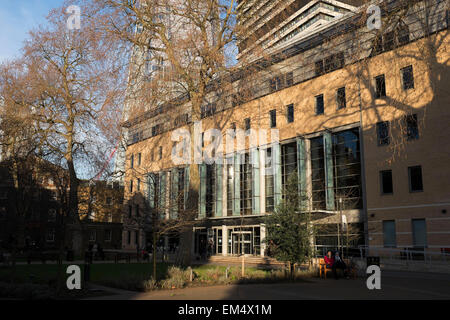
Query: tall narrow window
x: 138, y: 185
x: 210, y: 190
x: 403, y: 35
x: 386, y: 182
x: 132, y: 161
x: 419, y: 230
x: 289, y: 79
x: 139, y: 159
x: 290, y: 113
x: 408, y: 78
x: 160, y: 153
x: 340, y: 98
x: 269, y: 181
x: 412, y: 127
x: 383, y: 133
x: 380, y: 87
x: 389, y: 234
x: 230, y: 184
x: 246, y: 185
x: 389, y: 41
x: 131, y: 186
x: 288, y: 164
x: 247, y: 124
x: 415, y: 179
x: 320, y: 107
x: 318, y: 173
x: 273, y: 118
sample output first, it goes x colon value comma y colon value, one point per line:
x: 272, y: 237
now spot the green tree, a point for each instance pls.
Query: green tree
x: 289, y: 229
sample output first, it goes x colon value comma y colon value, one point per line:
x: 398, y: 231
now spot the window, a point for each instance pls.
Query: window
x: 290, y: 113
x: 380, y: 87
x: 412, y: 127
x: 334, y: 62
x: 378, y: 45
x: 138, y: 184
x: 230, y: 186
x: 92, y: 235
x: 160, y: 153
x: 273, y: 118
x: 157, y: 130
x: 403, y: 35
x: 408, y: 78
x: 389, y: 41
x: 139, y: 159
x: 132, y: 161
x: 340, y: 98
x: 50, y: 235
x: 346, y: 156
x: 386, y: 182
x: 319, y: 68
x: 288, y: 164
x: 269, y: 181
x: 389, y: 234
x: 233, y: 126
x: 246, y: 185
x: 419, y: 231
x: 108, y: 235
x: 131, y: 186
x: 319, y: 105
x: 210, y: 190
x: 289, y: 79
x: 208, y: 110
x: 52, y: 215
x: 415, y: 179
x: 247, y: 124
x: 318, y: 173
x: 383, y: 133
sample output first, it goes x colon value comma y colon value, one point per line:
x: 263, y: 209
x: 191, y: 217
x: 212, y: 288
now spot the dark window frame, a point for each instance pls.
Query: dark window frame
x: 380, y: 86
x: 321, y: 111
x: 410, y: 181
x: 273, y: 118
x: 290, y: 113
x: 341, y: 98
x: 382, y: 182
x: 407, y: 76
x: 383, y: 140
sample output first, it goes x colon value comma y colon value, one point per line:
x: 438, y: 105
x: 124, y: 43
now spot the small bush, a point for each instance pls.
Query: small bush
x: 176, y: 278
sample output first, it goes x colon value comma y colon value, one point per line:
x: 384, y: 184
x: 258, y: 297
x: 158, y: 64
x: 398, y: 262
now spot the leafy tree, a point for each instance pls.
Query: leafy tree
x: 288, y: 228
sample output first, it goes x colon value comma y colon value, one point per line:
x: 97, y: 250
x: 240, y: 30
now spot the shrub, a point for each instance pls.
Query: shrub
x: 176, y: 278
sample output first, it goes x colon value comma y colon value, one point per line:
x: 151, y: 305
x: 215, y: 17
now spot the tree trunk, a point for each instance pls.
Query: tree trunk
x: 154, y: 255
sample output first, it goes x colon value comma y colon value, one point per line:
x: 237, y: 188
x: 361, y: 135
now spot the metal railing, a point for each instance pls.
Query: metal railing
x: 425, y: 255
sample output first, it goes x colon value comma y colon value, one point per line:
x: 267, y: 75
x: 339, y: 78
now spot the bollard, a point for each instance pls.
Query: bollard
x: 191, y: 276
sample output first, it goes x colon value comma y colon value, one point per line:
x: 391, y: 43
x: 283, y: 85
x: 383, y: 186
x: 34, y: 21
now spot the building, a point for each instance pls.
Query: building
x: 271, y: 25
x: 361, y: 121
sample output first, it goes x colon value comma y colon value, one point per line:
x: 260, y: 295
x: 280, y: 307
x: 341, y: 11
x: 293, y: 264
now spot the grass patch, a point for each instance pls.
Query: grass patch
x: 138, y: 276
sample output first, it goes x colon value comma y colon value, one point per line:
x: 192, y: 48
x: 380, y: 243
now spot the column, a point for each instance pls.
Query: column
x: 224, y: 241
x: 276, y: 163
x: 262, y: 239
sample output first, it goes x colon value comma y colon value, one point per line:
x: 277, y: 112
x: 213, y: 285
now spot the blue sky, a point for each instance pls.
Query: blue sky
x: 17, y: 17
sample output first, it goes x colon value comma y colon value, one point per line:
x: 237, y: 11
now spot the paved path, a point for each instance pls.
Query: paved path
x: 394, y: 285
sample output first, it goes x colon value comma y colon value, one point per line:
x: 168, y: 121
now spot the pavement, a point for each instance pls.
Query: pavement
x: 394, y: 286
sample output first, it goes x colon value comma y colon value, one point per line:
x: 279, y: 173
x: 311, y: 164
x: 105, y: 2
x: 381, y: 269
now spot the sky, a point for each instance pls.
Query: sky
x: 17, y: 17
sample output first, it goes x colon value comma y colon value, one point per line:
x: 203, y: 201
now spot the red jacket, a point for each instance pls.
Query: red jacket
x: 329, y: 261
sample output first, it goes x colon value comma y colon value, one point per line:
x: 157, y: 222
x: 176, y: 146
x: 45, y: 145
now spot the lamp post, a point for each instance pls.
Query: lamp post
x: 339, y: 224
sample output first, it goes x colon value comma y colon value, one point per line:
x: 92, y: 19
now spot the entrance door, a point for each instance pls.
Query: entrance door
x: 242, y: 242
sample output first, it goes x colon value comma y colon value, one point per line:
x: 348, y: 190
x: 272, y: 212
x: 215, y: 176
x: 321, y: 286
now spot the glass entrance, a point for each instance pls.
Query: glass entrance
x: 242, y: 242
